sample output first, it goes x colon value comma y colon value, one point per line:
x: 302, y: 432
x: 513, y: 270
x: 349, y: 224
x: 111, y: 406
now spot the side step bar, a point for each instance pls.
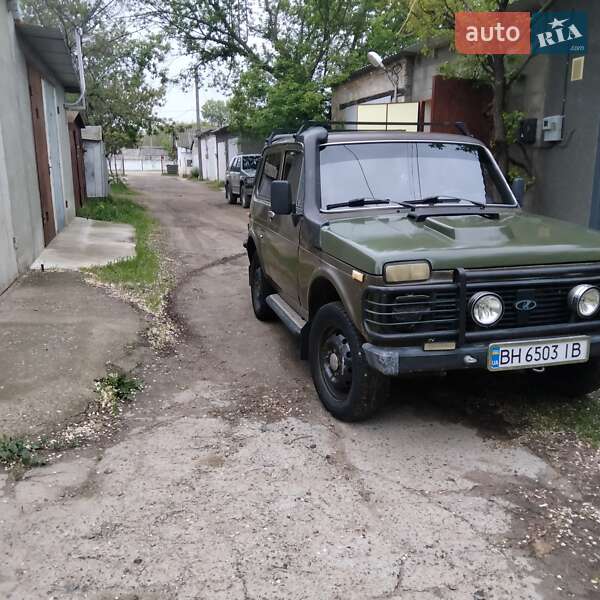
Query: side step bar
x: 290, y: 318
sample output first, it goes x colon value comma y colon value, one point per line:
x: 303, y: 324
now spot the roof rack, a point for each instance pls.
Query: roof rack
x: 459, y: 125
x: 279, y: 133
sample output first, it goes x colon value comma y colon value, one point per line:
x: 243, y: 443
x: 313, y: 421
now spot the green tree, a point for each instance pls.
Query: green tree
x: 215, y: 112
x: 434, y: 19
x: 280, y: 57
x: 123, y: 74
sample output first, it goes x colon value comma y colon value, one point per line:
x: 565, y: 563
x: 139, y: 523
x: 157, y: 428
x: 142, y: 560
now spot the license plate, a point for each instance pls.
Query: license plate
x: 538, y: 353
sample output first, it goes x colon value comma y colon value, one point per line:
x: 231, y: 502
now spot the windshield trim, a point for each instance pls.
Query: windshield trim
x: 515, y: 204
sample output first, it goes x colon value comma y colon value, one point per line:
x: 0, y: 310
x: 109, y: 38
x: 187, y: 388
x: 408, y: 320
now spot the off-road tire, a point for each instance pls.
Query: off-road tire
x: 364, y: 390
x: 570, y: 381
x: 259, y: 290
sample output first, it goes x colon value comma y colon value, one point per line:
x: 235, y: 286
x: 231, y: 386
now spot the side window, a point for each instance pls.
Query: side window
x: 292, y: 168
x: 236, y: 164
x: 232, y: 164
x: 270, y: 172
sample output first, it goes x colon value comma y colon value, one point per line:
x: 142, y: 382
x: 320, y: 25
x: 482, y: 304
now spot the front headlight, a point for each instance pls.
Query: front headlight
x: 408, y: 271
x: 584, y: 299
x: 486, y: 308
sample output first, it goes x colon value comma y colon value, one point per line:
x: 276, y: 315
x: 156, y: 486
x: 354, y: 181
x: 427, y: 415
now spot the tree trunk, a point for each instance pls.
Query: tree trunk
x: 500, y: 145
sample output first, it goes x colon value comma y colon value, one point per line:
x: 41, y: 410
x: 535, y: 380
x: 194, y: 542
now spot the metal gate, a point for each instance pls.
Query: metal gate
x: 41, y: 153
x: 52, y: 110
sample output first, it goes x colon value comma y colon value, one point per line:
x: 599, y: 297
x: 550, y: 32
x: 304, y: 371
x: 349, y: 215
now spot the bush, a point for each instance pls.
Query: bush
x: 195, y: 173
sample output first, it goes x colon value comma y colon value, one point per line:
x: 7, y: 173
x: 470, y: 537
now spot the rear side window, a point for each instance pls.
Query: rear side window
x: 292, y: 167
x: 270, y: 172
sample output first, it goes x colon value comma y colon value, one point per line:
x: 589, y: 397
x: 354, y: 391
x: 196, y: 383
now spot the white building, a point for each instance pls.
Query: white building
x: 36, y: 180
x: 217, y: 148
x: 187, y: 152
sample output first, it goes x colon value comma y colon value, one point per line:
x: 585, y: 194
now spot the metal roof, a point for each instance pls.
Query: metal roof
x: 50, y: 49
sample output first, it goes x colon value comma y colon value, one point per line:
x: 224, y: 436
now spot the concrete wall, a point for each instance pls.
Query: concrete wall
x: 565, y: 172
x: 19, y: 194
x: 425, y: 67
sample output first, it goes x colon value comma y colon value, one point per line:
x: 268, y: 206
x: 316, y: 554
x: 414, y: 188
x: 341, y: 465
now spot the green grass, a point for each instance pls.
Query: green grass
x: 142, y: 273
x: 581, y: 416
x: 516, y: 403
x: 215, y: 185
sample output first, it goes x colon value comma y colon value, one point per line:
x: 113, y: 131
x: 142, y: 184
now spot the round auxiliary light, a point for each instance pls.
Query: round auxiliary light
x: 584, y: 299
x: 486, y: 308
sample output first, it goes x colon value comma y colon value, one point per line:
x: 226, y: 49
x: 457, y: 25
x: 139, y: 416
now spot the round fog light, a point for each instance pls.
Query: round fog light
x: 486, y: 308
x: 584, y: 300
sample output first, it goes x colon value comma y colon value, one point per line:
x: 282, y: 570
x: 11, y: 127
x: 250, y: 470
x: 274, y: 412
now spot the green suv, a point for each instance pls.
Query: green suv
x: 392, y: 253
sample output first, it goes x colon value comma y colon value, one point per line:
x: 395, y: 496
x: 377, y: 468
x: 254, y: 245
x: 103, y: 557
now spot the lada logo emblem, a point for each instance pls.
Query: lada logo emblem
x: 525, y: 305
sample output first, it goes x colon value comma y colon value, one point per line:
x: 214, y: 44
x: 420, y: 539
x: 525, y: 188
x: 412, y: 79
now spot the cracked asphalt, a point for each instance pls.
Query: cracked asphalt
x: 228, y: 480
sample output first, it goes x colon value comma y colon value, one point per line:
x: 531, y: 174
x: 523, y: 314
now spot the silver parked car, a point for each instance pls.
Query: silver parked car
x: 239, y: 178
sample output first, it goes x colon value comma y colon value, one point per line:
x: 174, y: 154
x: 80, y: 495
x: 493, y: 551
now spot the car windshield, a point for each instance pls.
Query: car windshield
x: 410, y: 172
x: 250, y: 162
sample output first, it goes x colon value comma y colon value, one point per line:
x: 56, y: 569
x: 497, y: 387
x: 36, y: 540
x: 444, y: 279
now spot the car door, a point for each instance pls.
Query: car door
x: 261, y: 208
x: 283, y: 232
x: 238, y: 166
x: 229, y: 174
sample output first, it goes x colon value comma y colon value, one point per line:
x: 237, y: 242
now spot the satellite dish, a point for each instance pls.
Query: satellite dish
x: 375, y: 60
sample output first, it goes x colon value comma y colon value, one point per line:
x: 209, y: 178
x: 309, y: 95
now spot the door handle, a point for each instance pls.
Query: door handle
x: 271, y: 215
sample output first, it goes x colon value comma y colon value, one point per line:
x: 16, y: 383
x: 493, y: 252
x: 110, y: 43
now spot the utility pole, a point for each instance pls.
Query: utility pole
x: 197, y: 87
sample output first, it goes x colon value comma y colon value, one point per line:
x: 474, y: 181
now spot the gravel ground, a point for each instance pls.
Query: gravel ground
x: 227, y: 479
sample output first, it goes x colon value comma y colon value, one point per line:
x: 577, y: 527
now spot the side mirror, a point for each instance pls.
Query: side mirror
x: 518, y: 189
x: 281, y: 197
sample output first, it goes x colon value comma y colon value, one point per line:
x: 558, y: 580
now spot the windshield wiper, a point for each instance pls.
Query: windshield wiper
x: 360, y: 202
x: 442, y: 199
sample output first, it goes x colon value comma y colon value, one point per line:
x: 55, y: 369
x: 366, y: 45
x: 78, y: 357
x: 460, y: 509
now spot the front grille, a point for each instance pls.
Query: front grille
x: 416, y: 313
x: 411, y: 311
x: 551, y: 306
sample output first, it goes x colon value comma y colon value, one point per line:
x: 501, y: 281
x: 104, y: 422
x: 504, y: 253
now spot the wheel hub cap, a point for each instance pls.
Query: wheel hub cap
x: 336, y: 362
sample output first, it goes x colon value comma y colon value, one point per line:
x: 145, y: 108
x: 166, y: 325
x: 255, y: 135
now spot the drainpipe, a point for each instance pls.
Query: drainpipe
x: 15, y: 8
x: 79, y: 104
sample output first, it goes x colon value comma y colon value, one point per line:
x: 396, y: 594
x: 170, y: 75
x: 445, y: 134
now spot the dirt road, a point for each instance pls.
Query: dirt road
x: 229, y: 481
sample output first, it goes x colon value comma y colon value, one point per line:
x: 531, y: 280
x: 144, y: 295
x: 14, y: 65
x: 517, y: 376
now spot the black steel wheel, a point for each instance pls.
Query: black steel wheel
x: 348, y: 388
x: 259, y: 290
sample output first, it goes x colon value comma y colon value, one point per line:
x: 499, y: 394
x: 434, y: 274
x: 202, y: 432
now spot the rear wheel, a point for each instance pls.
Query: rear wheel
x: 246, y: 197
x: 229, y: 195
x: 260, y: 289
x: 348, y: 388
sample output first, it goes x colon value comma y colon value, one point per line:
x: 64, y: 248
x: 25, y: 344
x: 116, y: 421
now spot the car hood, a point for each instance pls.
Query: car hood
x: 469, y: 241
x: 249, y: 172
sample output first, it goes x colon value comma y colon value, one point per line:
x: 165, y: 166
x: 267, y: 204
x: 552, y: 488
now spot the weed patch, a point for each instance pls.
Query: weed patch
x: 16, y: 451
x: 114, y: 389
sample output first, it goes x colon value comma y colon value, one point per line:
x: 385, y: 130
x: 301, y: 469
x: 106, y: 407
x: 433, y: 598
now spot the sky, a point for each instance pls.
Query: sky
x: 180, y: 104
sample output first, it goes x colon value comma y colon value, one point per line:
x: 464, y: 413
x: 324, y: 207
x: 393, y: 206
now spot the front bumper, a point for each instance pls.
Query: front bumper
x: 394, y: 361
